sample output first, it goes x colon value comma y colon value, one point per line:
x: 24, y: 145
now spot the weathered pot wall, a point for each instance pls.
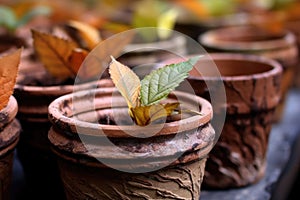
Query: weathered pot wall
x: 164, y: 166
x: 252, y: 86
x: 9, y: 137
x: 183, y: 182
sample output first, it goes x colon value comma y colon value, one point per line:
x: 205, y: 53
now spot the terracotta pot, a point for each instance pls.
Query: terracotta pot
x: 280, y: 46
x: 9, y: 137
x: 169, y: 164
x: 40, y: 168
x: 252, y: 86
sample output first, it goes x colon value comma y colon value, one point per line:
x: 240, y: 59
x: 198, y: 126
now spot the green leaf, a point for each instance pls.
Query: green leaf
x: 157, y: 85
x: 144, y: 115
x: 126, y: 81
x: 7, y: 18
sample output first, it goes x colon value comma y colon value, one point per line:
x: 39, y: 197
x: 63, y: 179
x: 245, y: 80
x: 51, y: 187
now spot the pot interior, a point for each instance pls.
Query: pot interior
x: 230, y: 67
x: 86, y: 109
x: 114, y: 111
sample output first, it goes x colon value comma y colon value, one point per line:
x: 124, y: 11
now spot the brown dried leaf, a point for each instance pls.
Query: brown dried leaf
x: 54, y: 53
x: 8, y: 74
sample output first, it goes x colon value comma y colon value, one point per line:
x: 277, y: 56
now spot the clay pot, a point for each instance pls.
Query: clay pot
x: 168, y: 164
x: 9, y: 137
x: 280, y: 46
x: 252, y: 85
x: 40, y: 168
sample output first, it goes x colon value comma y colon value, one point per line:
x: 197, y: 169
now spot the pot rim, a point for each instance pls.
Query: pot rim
x: 59, y: 118
x: 210, y: 40
x: 276, y: 67
x: 56, y: 90
x: 8, y: 113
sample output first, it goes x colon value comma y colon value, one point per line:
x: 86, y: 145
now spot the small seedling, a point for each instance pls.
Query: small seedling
x: 143, y: 97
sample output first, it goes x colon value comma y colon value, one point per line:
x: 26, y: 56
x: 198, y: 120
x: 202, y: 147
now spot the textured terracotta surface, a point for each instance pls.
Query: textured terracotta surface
x: 252, y: 86
x: 178, y: 182
x: 81, y: 158
x: 9, y: 137
x: 280, y: 46
x: 34, y: 151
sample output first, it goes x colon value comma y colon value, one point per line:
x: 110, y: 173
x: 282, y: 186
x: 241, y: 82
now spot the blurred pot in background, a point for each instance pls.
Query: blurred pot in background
x: 280, y: 46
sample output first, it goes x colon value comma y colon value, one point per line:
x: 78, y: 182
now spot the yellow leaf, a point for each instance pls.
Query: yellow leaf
x: 54, y: 53
x: 144, y: 115
x: 166, y: 22
x: 8, y: 74
x: 127, y: 82
x: 89, y: 35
